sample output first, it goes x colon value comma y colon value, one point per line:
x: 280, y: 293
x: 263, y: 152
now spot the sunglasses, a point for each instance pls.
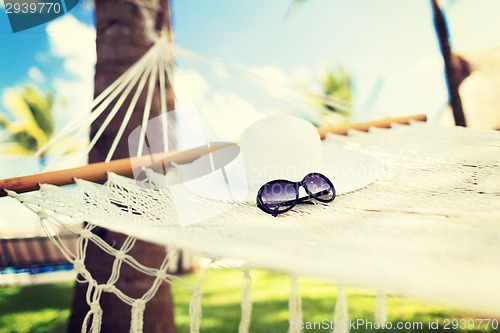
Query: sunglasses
x: 279, y: 196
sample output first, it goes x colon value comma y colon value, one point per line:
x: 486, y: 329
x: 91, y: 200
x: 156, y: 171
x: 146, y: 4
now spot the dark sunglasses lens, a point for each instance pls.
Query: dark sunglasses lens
x: 278, y: 196
x: 319, y: 187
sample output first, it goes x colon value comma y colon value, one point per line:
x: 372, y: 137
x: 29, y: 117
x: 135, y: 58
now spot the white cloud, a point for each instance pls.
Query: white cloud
x: 428, y: 64
x: 220, y: 70
x: 75, y: 43
x: 272, y: 79
x: 190, y: 86
x: 16, y: 219
x: 229, y: 102
x: 228, y: 115
x: 35, y: 74
x: 270, y: 73
x: 79, y: 68
x: 2, y: 4
x: 235, y: 99
x: 77, y: 93
x: 224, y: 113
x: 72, y: 39
x: 302, y: 75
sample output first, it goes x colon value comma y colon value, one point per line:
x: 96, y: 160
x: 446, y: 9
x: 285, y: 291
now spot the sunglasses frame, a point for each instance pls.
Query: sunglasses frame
x: 297, y: 200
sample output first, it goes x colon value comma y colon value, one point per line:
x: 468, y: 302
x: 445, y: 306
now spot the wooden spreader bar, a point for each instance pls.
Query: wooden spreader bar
x: 97, y: 172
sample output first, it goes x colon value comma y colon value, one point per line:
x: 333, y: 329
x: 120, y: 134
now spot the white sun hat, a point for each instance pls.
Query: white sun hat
x: 278, y: 147
x: 286, y: 147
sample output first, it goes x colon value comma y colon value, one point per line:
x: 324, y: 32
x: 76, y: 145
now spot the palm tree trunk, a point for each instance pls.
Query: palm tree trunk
x: 124, y: 33
x: 452, y: 79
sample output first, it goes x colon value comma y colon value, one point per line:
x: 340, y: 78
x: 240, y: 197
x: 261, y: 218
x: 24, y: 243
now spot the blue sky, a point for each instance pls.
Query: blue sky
x: 391, y: 42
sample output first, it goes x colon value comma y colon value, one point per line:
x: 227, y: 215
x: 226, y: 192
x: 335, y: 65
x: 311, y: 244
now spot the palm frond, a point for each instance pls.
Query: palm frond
x: 26, y: 140
x: 13, y: 148
x: 4, y: 122
x: 337, y: 83
x: 40, y: 106
x: 19, y: 107
x: 33, y: 124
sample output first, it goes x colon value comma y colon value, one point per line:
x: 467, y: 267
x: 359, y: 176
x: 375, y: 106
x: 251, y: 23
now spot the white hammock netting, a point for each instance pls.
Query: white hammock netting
x: 422, y: 230
x: 427, y: 228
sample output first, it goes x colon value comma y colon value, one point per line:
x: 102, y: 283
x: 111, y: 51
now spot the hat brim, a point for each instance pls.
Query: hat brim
x: 349, y: 170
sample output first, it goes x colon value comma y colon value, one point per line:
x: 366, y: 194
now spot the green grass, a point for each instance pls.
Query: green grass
x: 45, y: 308
x: 38, y: 308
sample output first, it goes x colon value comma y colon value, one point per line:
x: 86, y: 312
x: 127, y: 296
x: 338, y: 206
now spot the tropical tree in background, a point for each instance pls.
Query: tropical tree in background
x: 337, y: 84
x: 334, y: 101
x: 454, y: 67
x: 125, y: 30
x: 31, y: 124
x: 453, y: 78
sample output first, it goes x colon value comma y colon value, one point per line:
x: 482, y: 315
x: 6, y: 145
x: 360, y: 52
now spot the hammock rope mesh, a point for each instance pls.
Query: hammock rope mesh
x: 374, y: 231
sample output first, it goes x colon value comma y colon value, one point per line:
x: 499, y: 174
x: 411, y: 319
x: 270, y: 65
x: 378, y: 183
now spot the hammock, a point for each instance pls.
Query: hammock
x: 428, y: 228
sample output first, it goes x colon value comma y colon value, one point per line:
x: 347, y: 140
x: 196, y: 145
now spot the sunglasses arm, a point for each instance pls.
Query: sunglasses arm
x: 302, y: 199
x: 299, y: 200
x: 307, y: 197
